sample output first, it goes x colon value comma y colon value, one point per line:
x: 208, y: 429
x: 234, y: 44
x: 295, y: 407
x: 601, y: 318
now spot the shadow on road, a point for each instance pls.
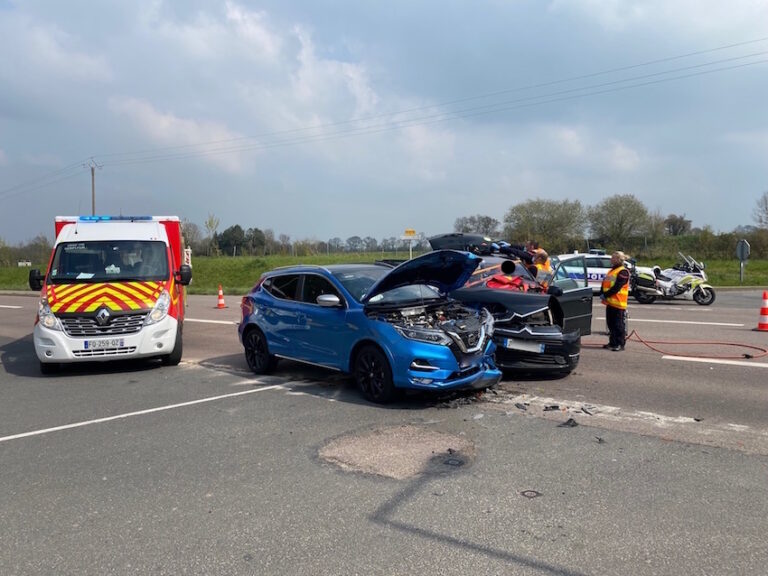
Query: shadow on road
x: 337, y: 386
x: 19, y: 359
x: 438, y: 467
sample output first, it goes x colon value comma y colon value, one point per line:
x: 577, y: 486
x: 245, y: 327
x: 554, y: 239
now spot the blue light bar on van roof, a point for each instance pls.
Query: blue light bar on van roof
x: 113, y: 218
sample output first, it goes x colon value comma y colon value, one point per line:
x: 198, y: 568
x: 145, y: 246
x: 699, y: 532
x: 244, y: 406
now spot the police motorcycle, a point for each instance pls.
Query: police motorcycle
x: 686, y: 280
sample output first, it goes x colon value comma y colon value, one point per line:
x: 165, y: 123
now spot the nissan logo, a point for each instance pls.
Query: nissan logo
x: 102, y: 317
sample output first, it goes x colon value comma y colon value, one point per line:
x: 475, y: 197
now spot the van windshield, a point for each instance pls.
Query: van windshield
x: 109, y: 261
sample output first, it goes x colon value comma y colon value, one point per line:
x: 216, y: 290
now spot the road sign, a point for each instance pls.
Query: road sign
x: 742, y: 250
x: 742, y: 253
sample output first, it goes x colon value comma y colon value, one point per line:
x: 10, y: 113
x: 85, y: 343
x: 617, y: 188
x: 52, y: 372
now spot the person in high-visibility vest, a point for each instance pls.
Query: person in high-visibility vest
x: 614, y: 293
x: 541, y: 261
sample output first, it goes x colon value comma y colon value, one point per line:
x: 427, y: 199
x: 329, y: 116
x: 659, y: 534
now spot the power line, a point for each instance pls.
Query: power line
x: 530, y: 101
x: 301, y: 135
x: 445, y: 103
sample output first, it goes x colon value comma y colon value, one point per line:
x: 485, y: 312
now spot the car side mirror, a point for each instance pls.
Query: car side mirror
x: 184, y: 275
x: 555, y: 291
x: 329, y: 301
x: 36, y: 279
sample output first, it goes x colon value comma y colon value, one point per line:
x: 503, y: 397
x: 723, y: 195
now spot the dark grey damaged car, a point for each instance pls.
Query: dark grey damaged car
x: 538, y: 323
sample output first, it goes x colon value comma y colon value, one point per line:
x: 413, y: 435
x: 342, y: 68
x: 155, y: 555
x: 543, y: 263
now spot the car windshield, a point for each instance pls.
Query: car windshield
x: 359, y: 282
x: 109, y: 261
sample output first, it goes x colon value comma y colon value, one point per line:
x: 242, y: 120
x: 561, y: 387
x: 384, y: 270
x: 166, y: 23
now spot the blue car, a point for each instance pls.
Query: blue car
x: 391, y: 328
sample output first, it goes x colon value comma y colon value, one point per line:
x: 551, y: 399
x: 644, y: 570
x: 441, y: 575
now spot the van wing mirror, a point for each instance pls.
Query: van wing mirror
x: 36, y: 279
x: 184, y: 275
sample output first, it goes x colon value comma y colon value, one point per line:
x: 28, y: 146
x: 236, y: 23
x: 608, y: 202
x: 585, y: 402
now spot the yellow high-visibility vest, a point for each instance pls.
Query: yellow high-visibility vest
x: 618, y: 300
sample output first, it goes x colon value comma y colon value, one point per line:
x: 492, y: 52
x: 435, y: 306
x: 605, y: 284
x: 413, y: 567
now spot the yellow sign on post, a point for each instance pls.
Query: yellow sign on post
x: 410, y: 235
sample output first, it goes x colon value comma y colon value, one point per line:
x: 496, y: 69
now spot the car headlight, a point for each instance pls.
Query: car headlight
x: 47, y: 318
x: 160, y: 309
x: 488, y: 323
x: 540, y: 318
x: 424, y: 335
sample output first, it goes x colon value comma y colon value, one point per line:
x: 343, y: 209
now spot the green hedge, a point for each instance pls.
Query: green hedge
x: 238, y: 275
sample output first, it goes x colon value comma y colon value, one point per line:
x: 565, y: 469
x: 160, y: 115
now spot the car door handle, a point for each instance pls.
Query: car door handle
x: 587, y: 299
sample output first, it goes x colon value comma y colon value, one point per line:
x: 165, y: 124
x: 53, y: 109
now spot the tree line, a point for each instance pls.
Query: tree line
x: 620, y: 222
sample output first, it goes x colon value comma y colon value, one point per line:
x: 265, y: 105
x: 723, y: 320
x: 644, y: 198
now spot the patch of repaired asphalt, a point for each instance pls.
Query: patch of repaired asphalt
x: 398, y: 452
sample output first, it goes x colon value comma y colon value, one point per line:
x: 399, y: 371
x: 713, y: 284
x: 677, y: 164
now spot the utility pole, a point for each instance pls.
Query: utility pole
x: 92, y: 165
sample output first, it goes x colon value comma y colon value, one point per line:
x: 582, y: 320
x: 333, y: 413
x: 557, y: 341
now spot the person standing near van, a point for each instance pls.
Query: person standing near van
x: 614, y: 293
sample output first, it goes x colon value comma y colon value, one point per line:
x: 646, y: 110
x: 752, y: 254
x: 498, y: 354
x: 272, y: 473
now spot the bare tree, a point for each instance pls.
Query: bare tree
x: 761, y: 211
x: 211, y: 224
x: 477, y: 224
x: 677, y: 225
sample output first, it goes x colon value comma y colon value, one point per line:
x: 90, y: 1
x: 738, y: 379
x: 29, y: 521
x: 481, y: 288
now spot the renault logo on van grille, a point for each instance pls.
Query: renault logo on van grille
x: 102, y: 317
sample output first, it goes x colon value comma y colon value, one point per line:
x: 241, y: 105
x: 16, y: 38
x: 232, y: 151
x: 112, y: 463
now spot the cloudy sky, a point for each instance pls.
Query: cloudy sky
x: 322, y: 118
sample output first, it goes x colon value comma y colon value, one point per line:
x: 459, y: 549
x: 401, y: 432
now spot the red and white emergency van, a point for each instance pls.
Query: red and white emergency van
x: 114, y: 289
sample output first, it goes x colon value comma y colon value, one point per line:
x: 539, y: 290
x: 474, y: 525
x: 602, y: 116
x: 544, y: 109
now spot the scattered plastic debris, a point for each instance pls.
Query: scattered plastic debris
x: 477, y: 416
x: 599, y: 440
x: 520, y: 406
x: 551, y: 407
x: 570, y: 423
x: 531, y: 493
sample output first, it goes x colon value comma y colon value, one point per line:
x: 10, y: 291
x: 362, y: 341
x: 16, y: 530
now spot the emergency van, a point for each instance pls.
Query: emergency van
x: 114, y: 289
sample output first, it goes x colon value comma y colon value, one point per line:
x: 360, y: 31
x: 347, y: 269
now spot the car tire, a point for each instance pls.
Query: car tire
x: 373, y: 375
x: 257, y: 355
x: 174, y: 357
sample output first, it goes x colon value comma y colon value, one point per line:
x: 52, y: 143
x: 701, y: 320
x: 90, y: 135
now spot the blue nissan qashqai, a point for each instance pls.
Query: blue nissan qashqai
x: 391, y: 328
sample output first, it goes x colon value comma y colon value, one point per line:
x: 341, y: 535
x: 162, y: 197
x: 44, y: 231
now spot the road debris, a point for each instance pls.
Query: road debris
x: 531, y: 494
x: 570, y: 423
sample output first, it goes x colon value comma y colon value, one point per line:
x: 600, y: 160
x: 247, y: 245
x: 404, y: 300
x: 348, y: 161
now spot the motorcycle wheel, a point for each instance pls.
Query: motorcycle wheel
x: 645, y: 298
x: 704, y: 296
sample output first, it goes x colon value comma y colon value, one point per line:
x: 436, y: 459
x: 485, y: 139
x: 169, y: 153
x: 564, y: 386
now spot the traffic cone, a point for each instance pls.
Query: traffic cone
x: 221, y: 303
x: 762, y: 324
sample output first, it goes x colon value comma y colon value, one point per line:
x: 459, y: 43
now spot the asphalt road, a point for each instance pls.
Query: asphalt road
x: 204, y: 469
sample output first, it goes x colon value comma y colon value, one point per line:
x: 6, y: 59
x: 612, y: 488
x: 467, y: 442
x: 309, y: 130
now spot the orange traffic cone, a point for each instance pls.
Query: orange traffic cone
x: 221, y: 303
x: 762, y: 324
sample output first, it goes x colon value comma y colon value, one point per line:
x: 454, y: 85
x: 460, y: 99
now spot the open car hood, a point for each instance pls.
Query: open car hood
x: 445, y: 270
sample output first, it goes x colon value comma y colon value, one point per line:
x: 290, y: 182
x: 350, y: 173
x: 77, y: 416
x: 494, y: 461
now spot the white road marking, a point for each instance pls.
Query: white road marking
x: 717, y: 361
x: 227, y: 322
x: 11, y: 307
x: 677, y: 322
x: 141, y: 412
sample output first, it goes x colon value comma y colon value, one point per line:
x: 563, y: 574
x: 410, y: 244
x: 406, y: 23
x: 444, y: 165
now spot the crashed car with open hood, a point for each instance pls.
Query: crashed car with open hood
x: 391, y: 328
x: 538, y: 321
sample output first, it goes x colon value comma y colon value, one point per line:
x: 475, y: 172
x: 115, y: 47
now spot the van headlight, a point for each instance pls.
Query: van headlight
x: 47, y: 318
x: 160, y: 309
x: 424, y: 335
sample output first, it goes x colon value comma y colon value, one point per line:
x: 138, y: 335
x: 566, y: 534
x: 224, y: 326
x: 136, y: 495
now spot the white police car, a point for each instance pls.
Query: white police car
x: 598, y: 264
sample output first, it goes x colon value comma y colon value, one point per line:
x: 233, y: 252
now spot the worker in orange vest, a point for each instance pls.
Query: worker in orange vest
x: 614, y: 293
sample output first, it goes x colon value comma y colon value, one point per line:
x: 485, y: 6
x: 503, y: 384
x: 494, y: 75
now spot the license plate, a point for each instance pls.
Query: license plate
x: 104, y: 343
x: 514, y: 344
